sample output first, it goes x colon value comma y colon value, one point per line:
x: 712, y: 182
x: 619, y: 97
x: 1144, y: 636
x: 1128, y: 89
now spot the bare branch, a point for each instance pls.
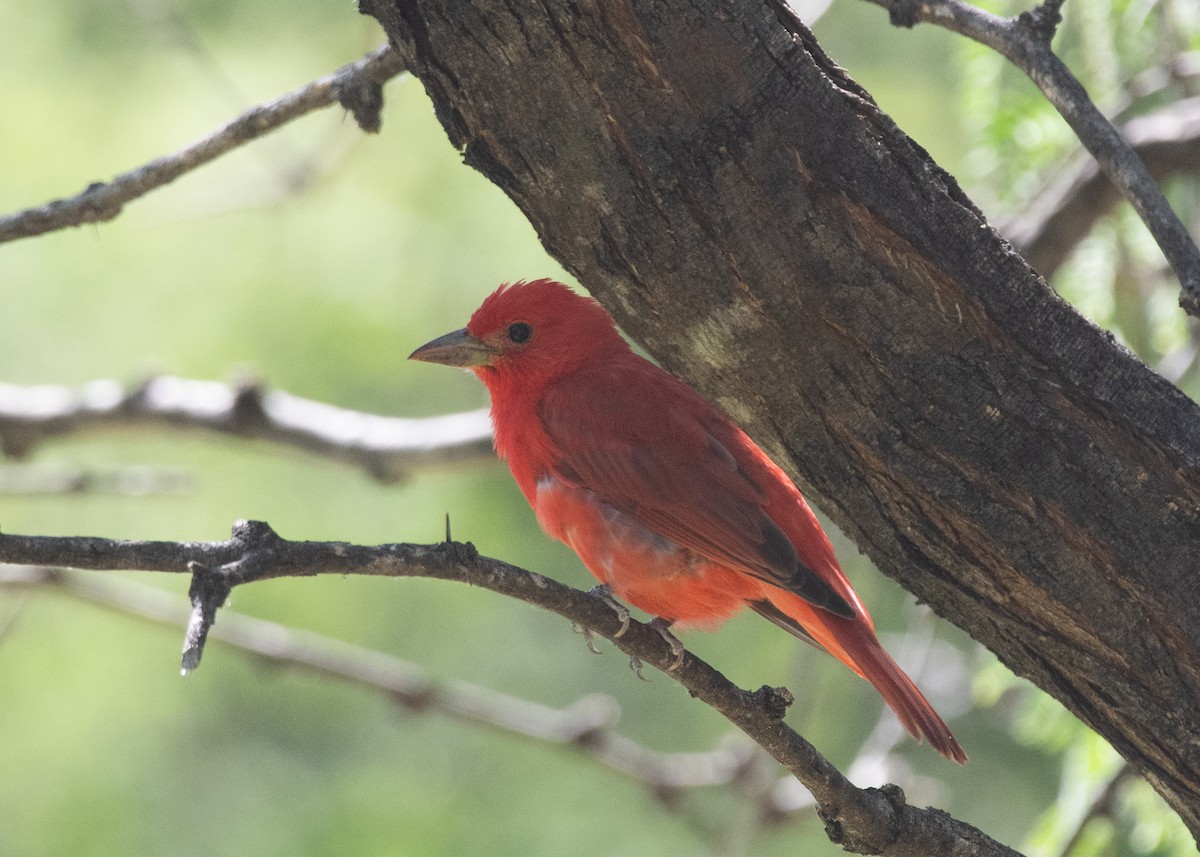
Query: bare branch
x: 133, y: 480
x: 1025, y: 41
x: 587, y: 726
x: 1167, y: 142
x: 870, y: 821
x: 357, y: 87
x: 386, y: 447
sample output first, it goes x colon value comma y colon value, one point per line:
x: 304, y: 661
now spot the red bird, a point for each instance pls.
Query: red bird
x: 665, y: 500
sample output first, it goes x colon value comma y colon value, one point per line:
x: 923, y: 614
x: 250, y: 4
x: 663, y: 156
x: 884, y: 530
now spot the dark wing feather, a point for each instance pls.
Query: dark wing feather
x: 646, y: 444
x: 777, y: 617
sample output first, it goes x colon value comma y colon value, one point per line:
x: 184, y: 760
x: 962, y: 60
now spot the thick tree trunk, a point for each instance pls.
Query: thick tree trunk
x: 754, y: 220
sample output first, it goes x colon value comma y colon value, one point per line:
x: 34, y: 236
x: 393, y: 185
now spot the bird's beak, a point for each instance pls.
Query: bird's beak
x: 457, y: 348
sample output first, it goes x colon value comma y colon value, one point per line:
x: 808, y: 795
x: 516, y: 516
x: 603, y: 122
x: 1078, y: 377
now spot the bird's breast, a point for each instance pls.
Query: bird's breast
x: 641, y: 566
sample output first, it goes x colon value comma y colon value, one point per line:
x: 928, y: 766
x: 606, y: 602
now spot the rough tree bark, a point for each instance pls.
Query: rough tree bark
x: 754, y: 220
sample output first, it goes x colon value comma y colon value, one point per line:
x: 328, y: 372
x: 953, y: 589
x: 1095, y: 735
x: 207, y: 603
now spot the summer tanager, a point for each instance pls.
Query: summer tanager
x: 666, y: 501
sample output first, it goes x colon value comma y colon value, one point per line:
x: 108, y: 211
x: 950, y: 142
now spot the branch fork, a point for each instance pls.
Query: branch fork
x: 211, y: 587
x: 358, y: 87
x: 1042, y: 21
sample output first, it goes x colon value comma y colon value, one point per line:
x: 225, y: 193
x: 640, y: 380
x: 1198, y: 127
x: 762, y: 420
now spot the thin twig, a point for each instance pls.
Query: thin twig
x: 1063, y: 214
x: 133, y: 480
x: 1025, y: 41
x: 871, y: 821
x: 386, y: 447
x: 357, y: 87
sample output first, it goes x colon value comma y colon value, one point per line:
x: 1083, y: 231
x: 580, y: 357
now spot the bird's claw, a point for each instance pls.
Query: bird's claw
x: 635, y: 664
x: 589, y: 636
x: 604, y: 593
x: 662, y: 626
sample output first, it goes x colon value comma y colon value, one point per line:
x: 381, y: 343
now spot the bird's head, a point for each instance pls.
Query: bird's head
x: 527, y: 332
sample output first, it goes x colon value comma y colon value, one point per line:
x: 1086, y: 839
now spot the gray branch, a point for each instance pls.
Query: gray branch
x: 1166, y: 141
x: 386, y: 447
x: 357, y: 87
x: 869, y: 821
x: 587, y: 726
x: 1025, y: 41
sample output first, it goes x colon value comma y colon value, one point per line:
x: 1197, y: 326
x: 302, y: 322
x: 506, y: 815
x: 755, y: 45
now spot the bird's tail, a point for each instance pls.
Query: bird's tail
x: 853, y: 642
x: 905, y: 699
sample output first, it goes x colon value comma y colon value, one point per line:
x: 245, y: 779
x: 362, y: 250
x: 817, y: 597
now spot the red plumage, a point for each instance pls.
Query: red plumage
x: 664, y: 498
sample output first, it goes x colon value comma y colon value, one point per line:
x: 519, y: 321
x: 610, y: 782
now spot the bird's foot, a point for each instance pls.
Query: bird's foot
x: 604, y: 593
x: 635, y: 664
x: 589, y: 636
x: 662, y: 626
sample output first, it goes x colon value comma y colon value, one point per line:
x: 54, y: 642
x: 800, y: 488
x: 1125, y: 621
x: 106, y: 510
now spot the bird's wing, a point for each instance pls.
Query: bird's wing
x: 648, y: 445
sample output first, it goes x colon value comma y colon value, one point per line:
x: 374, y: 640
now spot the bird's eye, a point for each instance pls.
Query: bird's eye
x: 519, y: 332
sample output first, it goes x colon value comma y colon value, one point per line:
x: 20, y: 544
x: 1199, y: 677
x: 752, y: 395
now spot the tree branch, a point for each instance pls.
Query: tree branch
x: 357, y: 87
x: 1166, y: 141
x: 386, y: 447
x: 1025, y: 41
x: 131, y: 480
x: 587, y: 726
x: 868, y: 821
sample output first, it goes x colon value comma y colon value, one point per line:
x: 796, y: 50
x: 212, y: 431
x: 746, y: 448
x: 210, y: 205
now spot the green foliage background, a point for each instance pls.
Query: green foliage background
x: 317, y: 259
